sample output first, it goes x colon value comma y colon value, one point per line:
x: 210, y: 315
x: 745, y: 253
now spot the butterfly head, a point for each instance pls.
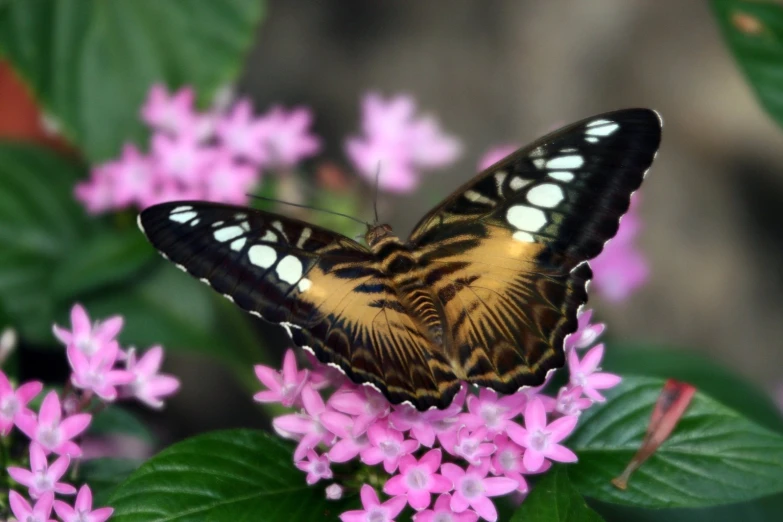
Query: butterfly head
x: 376, y: 234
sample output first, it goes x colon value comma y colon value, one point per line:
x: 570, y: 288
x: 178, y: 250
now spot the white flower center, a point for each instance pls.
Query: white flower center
x: 508, y: 460
x: 443, y: 517
x: 288, y: 394
x: 471, y: 487
x: 468, y: 447
x: 417, y: 479
x: 9, y: 407
x: 578, y: 379
x: 320, y: 469
x: 377, y: 514
x: 539, y: 440
x: 43, y: 482
x: 49, y: 436
x: 389, y: 448
x: 87, y: 346
x: 491, y: 415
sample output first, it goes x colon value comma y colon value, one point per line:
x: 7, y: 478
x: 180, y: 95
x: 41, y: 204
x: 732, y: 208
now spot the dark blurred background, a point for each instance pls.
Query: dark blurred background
x: 508, y: 71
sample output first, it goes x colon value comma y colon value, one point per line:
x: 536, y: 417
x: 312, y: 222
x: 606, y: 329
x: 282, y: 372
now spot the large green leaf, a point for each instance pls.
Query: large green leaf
x: 709, y: 377
x: 39, y: 224
x: 224, y: 476
x: 754, y: 33
x: 90, y: 63
x: 714, y: 456
x: 767, y: 509
x: 555, y: 499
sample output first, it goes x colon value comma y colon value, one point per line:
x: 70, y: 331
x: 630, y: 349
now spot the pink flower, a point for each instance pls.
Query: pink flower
x: 181, y: 157
x: 96, y: 193
x: 48, y: 430
x: 306, y: 427
x: 584, y: 373
x: 13, y: 404
x: 472, y: 488
x: 507, y: 461
x: 570, y: 401
x: 586, y: 333
x: 364, y: 403
x: 42, y: 478
x: 24, y: 512
x: 349, y: 444
x: 495, y: 154
x: 284, y: 387
x: 399, y: 143
x: 334, y: 492
x: 426, y: 426
x: 373, y: 510
x: 418, y: 479
x: 621, y: 268
x: 96, y: 373
x: 288, y: 141
x: 228, y: 181
x: 442, y: 512
x: 317, y: 467
x: 491, y: 411
x: 133, y: 177
x: 540, y: 439
x: 387, y: 446
x: 88, y: 338
x: 242, y: 135
x: 170, y: 113
x: 82, y: 510
x: 470, y: 445
x: 147, y: 384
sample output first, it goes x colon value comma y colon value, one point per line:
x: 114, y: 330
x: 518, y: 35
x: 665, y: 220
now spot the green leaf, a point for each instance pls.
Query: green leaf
x: 555, y: 499
x: 39, y: 224
x: 714, y: 456
x: 107, y: 257
x: 709, y: 377
x: 90, y: 63
x: 104, y: 475
x: 224, y: 476
x: 754, y: 33
x: 116, y: 420
x: 766, y: 509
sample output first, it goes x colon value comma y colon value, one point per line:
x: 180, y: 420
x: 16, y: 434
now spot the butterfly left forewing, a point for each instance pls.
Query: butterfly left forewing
x: 514, y: 241
x: 326, y: 290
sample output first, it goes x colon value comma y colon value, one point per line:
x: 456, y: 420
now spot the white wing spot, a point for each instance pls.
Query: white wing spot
x: 524, y: 237
x: 182, y: 217
x: 205, y: 281
x: 245, y: 226
x: 269, y: 236
x: 596, y: 123
x: 518, y: 183
x: 526, y: 218
x: 573, y: 161
x: 500, y: 177
x: 603, y: 130
x: 263, y: 256
x: 240, y: 215
x: 562, y: 175
x: 304, y: 237
x: 181, y: 267
x: 547, y: 195
x: 289, y: 269
x: 238, y: 244
x: 181, y: 208
x: 253, y: 312
x: 591, y: 139
x: 540, y: 163
x: 228, y: 297
x: 279, y: 226
x: 477, y: 197
x: 305, y: 284
x: 227, y: 233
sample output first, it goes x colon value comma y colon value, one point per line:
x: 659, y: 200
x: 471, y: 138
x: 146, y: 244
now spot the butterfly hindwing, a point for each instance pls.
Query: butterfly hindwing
x: 521, y: 231
x: 326, y: 290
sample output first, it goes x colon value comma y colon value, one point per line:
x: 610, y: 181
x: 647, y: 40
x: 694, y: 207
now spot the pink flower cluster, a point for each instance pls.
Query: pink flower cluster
x: 217, y: 155
x: 397, y: 145
x: 92, y: 352
x: 481, y: 446
x: 621, y: 268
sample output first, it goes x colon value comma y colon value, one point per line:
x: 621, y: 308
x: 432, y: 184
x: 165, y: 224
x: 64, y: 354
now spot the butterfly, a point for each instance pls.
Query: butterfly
x: 484, y: 291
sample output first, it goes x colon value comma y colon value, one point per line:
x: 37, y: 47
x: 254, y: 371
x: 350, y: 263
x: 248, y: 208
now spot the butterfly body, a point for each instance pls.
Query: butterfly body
x: 485, y: 290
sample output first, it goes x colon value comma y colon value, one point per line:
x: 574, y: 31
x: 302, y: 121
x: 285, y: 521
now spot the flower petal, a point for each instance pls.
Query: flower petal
x: 535, y: 415
x: 499, y: 486
x: 485, y: 508
x: 562, y: 427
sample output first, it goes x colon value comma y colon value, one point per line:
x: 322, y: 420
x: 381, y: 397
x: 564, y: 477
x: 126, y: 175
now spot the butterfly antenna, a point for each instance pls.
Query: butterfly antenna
x: 308, y: 207
x: 375, y: 192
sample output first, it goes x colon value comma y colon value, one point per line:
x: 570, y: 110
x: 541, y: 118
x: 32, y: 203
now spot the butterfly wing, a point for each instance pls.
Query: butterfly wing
x: 506, y: 252
x: 326, y: 290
